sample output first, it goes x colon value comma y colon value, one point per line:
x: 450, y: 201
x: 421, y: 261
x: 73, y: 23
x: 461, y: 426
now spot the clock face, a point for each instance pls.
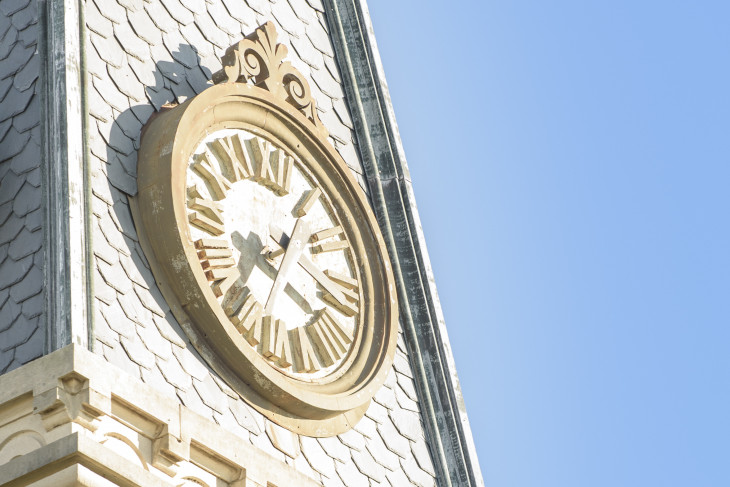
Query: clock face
x: 274, y: 251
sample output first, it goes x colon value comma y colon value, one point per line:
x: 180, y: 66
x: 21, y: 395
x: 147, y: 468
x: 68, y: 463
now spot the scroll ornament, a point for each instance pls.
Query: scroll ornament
x: 259, y: 59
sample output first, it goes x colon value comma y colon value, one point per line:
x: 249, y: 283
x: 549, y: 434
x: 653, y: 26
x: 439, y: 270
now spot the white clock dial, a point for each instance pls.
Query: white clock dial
x: 274, y: 251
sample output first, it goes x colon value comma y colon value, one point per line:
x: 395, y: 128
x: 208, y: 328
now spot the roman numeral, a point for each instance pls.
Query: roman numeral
x: 242, y: 159
x: 306, y: 203
x: 342, y: 293
x: 207, y: 169
x: 209, y: 216
x: 275, y: 342
x: 235, y: 159
x: 331, y: 245
x: 305, y: 359
x: 329, y: 338
x: 219, y: 265
x: 273, y: 167
x: 244, y: 313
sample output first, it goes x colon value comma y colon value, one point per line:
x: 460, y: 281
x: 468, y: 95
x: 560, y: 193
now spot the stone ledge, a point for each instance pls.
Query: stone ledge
x: 71, y: 415
x: 75, y: 460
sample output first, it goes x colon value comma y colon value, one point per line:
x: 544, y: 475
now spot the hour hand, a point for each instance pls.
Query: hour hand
x: 340, y: 291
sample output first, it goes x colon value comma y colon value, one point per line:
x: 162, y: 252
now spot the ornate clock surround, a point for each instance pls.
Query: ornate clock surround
x: 263, y: 95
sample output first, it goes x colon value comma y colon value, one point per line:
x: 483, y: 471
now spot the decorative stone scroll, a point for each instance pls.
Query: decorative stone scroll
x: 258, y: 58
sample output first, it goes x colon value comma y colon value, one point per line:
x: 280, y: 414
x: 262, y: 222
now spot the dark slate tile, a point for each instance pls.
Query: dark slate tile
x: 34, y: 177
x: 8, y: 314
x: 25, y: 244
x: 31, y: 285
x: 27, y: 120
x: 9, y: 230
x: 24, y: 18
x: 34, y: 220
x: 14, y: 103
x: 7, y: 42
x: 117, y: 139
x: 143, y: 112
x: 180, y: 50
x: 9, y: 7
x: 198, y: 79
x: 13, y: 143
x: 129, y: 163
x: 5, y: 209
x: 120, y: 179
x: 6, y: 359
x: 17, y: 57
x: 26, y: 200
x: 18, y: 333
x: 27, y: 75
x: 129, y: 125
x: 5, y: 85
x: 10, y: 185
x: 32, y: 348
x: 4, y: 25
x: 29, y: 36
x: 33, y: 306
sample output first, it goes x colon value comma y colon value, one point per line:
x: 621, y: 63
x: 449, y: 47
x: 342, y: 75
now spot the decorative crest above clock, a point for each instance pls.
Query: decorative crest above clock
x: 259, y: 59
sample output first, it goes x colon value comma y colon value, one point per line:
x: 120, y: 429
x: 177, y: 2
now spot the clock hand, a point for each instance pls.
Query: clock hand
x: 337, y: 292
x: 300, y: 236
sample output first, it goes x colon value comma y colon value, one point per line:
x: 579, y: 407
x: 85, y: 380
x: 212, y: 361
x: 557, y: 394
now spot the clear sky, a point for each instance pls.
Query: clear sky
x: 571, y: 163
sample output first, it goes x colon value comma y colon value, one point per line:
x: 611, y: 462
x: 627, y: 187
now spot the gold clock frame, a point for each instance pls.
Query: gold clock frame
x: 262, y: 94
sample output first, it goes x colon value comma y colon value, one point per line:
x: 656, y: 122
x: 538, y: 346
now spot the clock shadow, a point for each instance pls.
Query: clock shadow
x: 251, y: 249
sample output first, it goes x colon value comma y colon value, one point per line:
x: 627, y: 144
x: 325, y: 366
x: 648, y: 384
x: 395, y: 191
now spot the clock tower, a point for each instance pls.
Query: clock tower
x: 212, y: 270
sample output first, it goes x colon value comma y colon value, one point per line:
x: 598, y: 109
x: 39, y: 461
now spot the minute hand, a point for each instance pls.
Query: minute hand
x: 294, y: 250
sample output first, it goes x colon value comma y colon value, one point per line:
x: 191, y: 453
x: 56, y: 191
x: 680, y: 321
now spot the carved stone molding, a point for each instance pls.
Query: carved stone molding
x: 70, y: 418
x: 260, y: 60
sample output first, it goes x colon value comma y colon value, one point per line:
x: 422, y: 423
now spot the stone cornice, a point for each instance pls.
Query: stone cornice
x: 72, y: 415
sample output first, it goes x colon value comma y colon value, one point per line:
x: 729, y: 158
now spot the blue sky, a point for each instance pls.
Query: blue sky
x: 571, y: 163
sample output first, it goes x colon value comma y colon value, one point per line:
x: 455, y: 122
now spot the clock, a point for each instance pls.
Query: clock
x: 265, y: 246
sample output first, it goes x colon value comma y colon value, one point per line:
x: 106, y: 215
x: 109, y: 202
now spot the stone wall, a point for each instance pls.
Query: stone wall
x: 21, y: 237
x: 141, y: 55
